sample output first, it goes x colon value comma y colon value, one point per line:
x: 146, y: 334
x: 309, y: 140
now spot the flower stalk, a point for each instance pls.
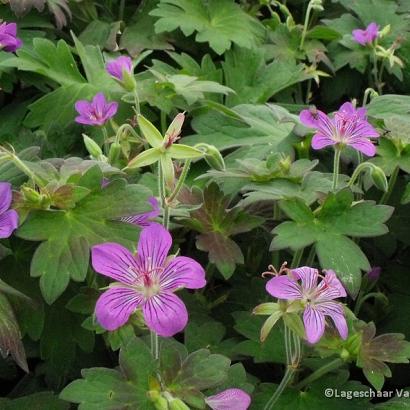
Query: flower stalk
x: 336, y: 167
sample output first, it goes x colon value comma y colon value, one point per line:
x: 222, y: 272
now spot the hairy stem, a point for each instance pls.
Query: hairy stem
x: 317, y: 374
x: 180, y: 182
x: 336, y: 166
x: 392, y: 182
x: 297, y: 256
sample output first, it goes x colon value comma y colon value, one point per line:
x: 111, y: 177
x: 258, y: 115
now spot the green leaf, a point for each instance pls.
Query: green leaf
x: 10, y: 342
x: 140, y: 34
x: 376, y: 350
x: 150, y: 132
x: 329, y: 229
x: 36, y: 401
x: 219, y: 22
x: 204, y: 335
x: 260, y: 124
x: 108, y: 389
x: 323, y: 33
x: 255, y: 81
x: 389, y: 157
x: 69, y: 234
x: 216, y: 225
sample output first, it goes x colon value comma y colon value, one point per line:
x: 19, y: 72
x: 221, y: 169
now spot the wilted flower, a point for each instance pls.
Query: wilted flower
x: 144, y: 219
x: 119, y: 66
x: 366, y: 36
x: 230, y: 399
x: 146, y: 280
x: 96, y: 112
x: 8, y: 37
x: 348, y: 126
x: 9, y: 219
x: 316, y: 298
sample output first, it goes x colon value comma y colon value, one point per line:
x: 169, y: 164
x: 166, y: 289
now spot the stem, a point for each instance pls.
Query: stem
x: 336, y: 166
x: 181, y: 181
x: 25, y: 169
x: 137, y: 102
x: 123, y: 128
x: 163, y: 123
x: 297, y: 256
x: 359, y: 304
x: 375, y: 71
x: 305, y: 26
x: 308, y: 88
x: 105, y: 140
x: 392, y: 183
x: 311, y: 257
x: 293, y: 353
x: 317, y: 374
x: 121, y: 11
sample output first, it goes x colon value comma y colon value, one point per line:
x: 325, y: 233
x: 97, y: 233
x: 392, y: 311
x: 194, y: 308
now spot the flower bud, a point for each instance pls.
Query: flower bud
x: 128, y: 81
x: 114, y: 153
x: 384, y: 31
x: 177, y: 404
x: 31, y: 195
x: 92, y: 147
x: 212, y: 156
x: 379, y: 178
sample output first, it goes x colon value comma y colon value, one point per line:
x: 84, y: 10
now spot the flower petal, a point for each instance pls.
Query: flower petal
x: 230, y: 399
x: 110, y: 110
x: 335, y: 311
x: 144, y: 219
x: 9, y: 221
x: 320, y: 141
x: 182, y: 272
x: 165, y: 314
x: 365, y: 146
x: 314, y: 324
x: 99, y: 102
x: 83, y: 107
x: 360, y: 36
x: 284, y: 287
x: 5, y: 196
x: 116, y: 305
x: 311, y: 118
x: 114, y: 261
x: 308, y: 276
x: 331, y: 287
x: 153, y: 247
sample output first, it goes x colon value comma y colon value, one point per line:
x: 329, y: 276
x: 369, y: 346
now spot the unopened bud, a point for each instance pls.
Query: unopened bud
x: 174, y: 129
x: 128, y: 81
x: 379, y: 178
x: 114, y: 153
x: 92, y: 147
x: 31, y: 195
x: 385, y: 31
x: 177, y: 404
x: 212, y: 156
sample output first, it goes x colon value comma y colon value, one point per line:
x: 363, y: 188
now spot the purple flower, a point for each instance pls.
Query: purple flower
x: 9, y: 219
x: 144, y: 219
x: 96, y: 112
x: 118, y: 66
x: 146, y: 280
x: 374, y: 274
x: 366, y: 36
x: 316, y: 298
x: 8, y: 37
x: 231, y: 399
x: 348, y: 126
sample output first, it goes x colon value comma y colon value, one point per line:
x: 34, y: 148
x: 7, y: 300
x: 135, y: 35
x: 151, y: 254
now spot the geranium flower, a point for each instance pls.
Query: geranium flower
x: 348, y: 126
x: 316, y: 298
x: 8, y: 37
x: 144, y: 219
x: 231, y: 399
x: 96, y: 112
x: 117, y: 67
x: 366, y: 36
x: 146, y: 280
x: 9, y: 219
